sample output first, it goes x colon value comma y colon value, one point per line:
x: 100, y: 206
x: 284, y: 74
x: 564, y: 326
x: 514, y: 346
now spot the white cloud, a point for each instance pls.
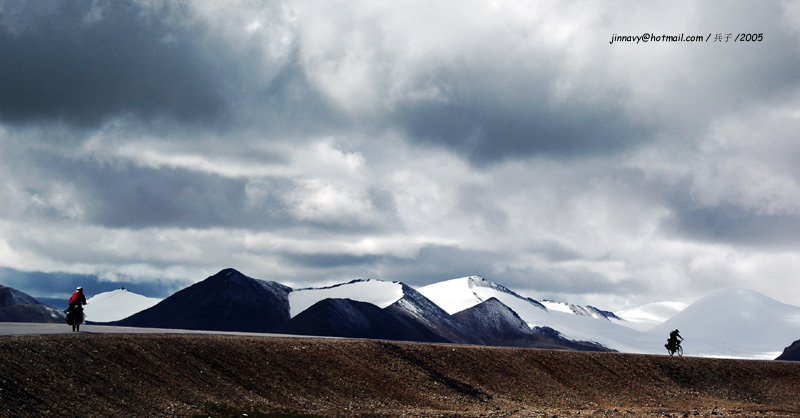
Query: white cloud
x: 318, y: 201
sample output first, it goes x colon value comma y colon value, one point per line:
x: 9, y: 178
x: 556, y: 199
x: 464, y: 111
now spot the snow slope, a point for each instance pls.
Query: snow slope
x: 735, y: 323
x: 649, y: 316
x: 376, y: 292
x: 116, y: 304
x: 458, y: 294
x: 455, y: 295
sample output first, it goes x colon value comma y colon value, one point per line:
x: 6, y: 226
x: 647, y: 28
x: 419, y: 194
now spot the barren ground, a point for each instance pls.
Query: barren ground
x: 95, y: 375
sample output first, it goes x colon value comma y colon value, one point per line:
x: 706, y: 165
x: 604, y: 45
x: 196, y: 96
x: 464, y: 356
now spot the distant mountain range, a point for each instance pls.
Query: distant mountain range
x: 469, y: 310
x: 231, y: 301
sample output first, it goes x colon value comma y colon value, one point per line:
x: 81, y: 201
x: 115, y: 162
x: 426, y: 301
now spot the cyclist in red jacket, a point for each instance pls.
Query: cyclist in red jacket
x: 78, y: 298
x: 75, y: 311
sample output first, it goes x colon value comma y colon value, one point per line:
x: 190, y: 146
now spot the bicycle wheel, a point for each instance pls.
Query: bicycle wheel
x: 679, y: 351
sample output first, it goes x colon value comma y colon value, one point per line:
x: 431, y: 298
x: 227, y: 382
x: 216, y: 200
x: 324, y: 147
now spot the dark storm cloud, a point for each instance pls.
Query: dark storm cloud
x: 735, y: 225
x: 510, y: 106
x: 332, y: 261
x: 138, y: 197
x: 511, y: 118
x: 72, y: 62
x: 485, y: 133
x: 144, y: 197
x: 125, y: 195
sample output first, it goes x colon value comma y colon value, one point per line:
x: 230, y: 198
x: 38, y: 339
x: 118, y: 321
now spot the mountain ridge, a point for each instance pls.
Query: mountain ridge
x: 231, y: 301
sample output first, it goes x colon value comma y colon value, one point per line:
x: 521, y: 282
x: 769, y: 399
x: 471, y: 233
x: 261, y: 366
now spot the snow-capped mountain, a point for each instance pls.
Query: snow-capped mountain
x: 459, y: 294
x: 481, y: 290
x: 116, y: 305
x: 18, y: 306
x: 455, y: 295
x: 735, y: 323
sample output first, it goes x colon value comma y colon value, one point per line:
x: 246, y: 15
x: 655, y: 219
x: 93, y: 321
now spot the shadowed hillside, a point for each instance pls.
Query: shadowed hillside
x: 94, y: 375
x: 791, y: 353
x: 16, y: 306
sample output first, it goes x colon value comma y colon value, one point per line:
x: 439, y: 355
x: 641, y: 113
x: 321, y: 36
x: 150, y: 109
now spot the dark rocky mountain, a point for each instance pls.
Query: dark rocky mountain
x: 353, y: 319
x: 226, y: 301
x: 411, y: 318
x: 791, y: 353
x: 493, y: 323
x: 17, y: 306
x: 11, y: 297
x: 413, y: 306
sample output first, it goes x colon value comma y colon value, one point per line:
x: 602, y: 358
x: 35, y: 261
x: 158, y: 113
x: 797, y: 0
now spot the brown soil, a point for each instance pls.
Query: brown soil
x: 93, y: 375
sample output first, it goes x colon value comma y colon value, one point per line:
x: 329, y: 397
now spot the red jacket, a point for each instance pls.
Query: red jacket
x: 77, y: 297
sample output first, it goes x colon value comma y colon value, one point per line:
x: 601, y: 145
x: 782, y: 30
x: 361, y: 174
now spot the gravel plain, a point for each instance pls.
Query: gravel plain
x: 186, y: 375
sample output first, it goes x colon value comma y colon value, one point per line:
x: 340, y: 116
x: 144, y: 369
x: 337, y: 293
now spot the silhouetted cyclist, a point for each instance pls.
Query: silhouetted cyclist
x: 674, y: 341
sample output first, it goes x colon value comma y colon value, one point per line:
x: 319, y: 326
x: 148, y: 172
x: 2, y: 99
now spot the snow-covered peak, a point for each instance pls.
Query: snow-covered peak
x: 452, y: 295
x: 455, y: 295
x: 376, y: 292
x: 570, y: 308
x: 479, y: 281
x: 116, y: 304
x: 648, y: 316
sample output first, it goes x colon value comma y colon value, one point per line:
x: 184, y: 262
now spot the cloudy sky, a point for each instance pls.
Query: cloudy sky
x: 153, y: 143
